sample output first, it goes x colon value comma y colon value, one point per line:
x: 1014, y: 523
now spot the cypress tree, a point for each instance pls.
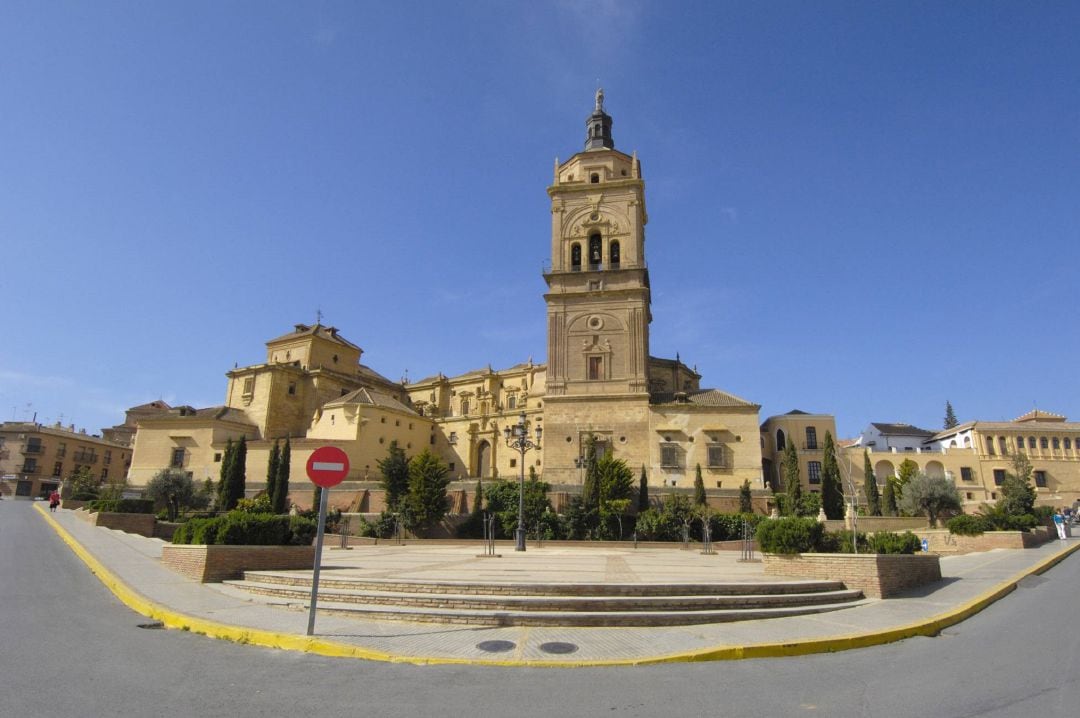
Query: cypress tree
x: 792, y: 483
x: 478, y: 498
x: 643, y: 491
x: 832, y: 494
x: 281, y: 485
x: 233, y: 491
x: 590, y: 491
x: 746, y: 498
x: 888, y: 498
x: 395, y: 472
x: 699, y: 488
x: 873, y: 498
x: 316, y: 498
x: 272, y: 471
x: 950, y: 416
x: 223, y: 473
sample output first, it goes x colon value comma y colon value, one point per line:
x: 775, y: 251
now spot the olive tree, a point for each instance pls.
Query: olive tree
x: 931, y: 496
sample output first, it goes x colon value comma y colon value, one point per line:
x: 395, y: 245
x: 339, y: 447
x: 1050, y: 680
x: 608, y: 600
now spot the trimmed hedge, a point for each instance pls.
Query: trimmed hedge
x: 967, y: 525
x: 790, y: 535
x: 122, y: 506
x: 239, y: 528
x: 888, y: 542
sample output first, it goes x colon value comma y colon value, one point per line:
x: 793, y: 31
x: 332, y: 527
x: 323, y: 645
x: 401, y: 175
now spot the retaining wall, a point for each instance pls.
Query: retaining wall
x: 876, y: 575
x: 210, y: 564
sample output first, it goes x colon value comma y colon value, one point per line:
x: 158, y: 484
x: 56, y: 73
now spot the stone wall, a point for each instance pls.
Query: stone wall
x: 876, y: 575
x: 210, y: 564
x: 941, y: 541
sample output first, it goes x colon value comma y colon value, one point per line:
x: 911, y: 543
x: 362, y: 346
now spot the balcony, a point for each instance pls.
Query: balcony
x: 33, y: 449
x: 85, y: 457
x: 29, y: 469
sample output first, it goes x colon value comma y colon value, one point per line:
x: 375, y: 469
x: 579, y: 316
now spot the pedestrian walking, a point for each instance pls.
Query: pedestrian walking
x: 1059, y: 524
x: 54, y: 500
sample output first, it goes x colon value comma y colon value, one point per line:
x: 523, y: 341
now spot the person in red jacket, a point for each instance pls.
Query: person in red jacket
x: 54, y: 500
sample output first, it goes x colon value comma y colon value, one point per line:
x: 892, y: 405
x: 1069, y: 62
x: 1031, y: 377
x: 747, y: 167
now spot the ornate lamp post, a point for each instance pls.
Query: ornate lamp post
x: 517, y: 438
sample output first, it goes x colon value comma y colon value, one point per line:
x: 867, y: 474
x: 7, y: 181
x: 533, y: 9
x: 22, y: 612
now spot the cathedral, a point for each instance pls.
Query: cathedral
x: 600, y: 381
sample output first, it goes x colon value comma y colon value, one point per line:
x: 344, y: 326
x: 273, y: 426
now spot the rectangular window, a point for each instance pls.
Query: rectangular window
x: 811, y: 437
x: 108, y: 457
x: 292, y: 388
x: 104, y: 474
x: 452, y: 465
x: 177, y: 457
x: 1002, y: 445
x: 969, y: 496
x: 453, y: 437
x: 217, y: 457
x: 511, y: 402
x: 596, y: 368
x: 669, y: 456
x: 1040, y: 479
x: 33, y: 446
x: 717, y: 457
x: 813, y: 470
x: 30, y: 466
x: 249, y: 385
x: 58, y: 468
x: 999, y: 477
x: 990, y: 445
x: 966, y: 474
x: 61, y: 450
x: 513, y: 463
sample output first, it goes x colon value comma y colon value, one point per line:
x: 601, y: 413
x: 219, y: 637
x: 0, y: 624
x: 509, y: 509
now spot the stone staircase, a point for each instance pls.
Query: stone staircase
x: 533, y: 604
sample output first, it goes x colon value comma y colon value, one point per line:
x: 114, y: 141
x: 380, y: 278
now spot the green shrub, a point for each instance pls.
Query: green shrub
x: 204, y: 531
x: 258, y: 505
x: 967, y: 525
x: 1043, y: 514
x: 790, y: 535
x: 246, y: 529
x: 888, y: 542
x: 840, y: 542
x: 302, y: 530
x: 728, y: 527
x: 122, y: 506
x: 182, y: 535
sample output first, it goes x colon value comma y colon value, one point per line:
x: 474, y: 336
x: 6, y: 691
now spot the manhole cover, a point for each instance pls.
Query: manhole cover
x: 558, y: 647
x: 496, y: 646
x: 155, y: 624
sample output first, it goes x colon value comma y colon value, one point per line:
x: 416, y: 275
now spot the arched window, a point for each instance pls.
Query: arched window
x: 613, y: 254
x: 780, y: 443
x: 1019, y: 442
x: 575, y: 257
x: 595, y: 251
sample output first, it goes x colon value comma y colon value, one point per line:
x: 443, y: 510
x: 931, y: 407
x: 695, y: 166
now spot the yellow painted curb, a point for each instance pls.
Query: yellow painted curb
x: 292, y: 642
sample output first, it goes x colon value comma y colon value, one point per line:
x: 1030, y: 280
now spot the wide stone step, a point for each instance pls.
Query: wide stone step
x: 564, y: 618
x: 578, y: 603
x: 360, y: 583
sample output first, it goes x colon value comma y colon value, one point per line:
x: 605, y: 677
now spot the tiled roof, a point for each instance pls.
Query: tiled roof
x: 315, y: 330
x: 1039, y: 415
x: 702, y: 397
x: 370, y: 397
x: 902, y: 430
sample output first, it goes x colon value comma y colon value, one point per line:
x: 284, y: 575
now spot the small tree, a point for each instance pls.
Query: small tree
x: 792, y: 483
x: 237, y: 475
x: 395, y: 473
x: 832, y: 495
x: 908, y: 470
x: 643, y: 491
x: 932, y: 496
x: 1017, y: 493
x: 84, y: 485
x: 281, y: 485
x: 888, y: 498
x: 426, y: 500
x: 746, y: 498
x: 873, y: 498
x: 699, y: 488
x: 223, y: 473
x: 950, y: 416
x: 590, y: 491
x: 173, y: 489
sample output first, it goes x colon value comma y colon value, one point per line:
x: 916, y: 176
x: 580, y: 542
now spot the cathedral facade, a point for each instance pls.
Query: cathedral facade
x: 600, y: 382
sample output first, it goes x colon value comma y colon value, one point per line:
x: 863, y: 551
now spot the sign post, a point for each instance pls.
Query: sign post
x: 326, y: 467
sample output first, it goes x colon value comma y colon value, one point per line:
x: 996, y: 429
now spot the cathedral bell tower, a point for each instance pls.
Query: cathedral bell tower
x: 598, y: 294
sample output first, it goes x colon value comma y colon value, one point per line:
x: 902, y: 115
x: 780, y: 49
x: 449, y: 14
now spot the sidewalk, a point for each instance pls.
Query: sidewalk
x: 129, y: 565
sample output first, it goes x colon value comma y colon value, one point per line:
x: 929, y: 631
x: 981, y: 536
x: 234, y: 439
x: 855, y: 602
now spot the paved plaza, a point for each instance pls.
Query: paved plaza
x: 130, y: 566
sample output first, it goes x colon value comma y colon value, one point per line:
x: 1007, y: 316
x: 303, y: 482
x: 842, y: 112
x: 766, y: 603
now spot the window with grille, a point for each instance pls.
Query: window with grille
x: 177, y: 457
x: 966, y: 473
x: 669, y: 456
x: 811, y: 437
x: 718, y: 457
x: 1040, y: 479
x: 999, y: 477
x: 813, y: 470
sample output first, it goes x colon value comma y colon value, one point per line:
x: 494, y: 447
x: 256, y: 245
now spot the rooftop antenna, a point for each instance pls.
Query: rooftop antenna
x: 318, y: 315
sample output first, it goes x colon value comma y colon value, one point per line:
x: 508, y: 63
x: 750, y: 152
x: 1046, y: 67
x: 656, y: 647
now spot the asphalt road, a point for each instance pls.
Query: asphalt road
x: 69, y: 648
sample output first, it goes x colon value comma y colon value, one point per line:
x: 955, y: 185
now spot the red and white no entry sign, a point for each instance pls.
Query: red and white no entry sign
x: 327, y: 466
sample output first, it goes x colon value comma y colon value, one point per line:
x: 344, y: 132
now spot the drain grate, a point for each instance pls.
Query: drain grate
x: 558, y: 647
x: 155, y: 624
x: 496, y: 646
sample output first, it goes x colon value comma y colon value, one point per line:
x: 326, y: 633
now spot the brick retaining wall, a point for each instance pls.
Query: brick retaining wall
x: 210, y: 564
x: 876, y: 575
x: 141, y: 524
x: 941, y: 541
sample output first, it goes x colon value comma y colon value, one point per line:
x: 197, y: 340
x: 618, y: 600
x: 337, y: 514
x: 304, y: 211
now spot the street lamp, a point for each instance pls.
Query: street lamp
x: 518, y: 439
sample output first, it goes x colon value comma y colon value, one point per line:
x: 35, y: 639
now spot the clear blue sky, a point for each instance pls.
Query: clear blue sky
x: 860, y: 208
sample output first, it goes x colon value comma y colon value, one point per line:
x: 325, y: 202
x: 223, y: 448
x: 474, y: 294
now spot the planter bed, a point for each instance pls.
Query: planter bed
x: 211, y: 564
x: 876, y: 575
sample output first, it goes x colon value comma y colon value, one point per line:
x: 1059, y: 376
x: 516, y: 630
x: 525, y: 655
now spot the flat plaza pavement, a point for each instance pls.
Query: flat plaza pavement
x: 130, y: 566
